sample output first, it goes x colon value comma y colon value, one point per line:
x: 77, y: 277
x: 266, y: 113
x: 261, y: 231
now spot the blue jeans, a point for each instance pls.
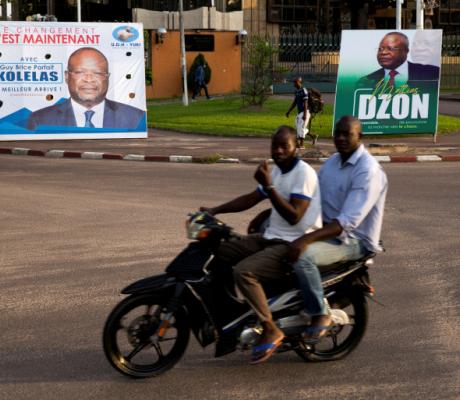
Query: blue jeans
x: 317, y: 254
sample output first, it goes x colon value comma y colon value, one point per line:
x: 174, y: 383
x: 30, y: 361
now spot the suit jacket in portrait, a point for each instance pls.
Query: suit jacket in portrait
x: 417, y: 74
x: 116, y: 115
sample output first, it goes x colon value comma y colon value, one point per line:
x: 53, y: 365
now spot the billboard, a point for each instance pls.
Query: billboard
x: 72, y: 81
x: 390, y: 80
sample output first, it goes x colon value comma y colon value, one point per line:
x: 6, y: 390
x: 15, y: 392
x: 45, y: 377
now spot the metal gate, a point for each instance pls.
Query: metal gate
x: 315, y: 57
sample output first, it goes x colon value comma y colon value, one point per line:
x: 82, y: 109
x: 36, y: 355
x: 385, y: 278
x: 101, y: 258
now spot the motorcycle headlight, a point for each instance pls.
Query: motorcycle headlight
x: 196, y: 227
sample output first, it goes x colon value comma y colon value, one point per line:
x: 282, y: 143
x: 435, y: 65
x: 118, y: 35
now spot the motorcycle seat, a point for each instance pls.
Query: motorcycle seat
x: 340, y: 267
x: 327, y: 272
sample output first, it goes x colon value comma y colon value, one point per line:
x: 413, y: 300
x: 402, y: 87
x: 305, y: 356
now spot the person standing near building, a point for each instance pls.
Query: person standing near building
x: 200, y: 82
x: 303, y: 113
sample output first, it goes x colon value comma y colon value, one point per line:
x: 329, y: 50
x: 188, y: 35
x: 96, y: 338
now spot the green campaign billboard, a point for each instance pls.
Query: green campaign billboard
x: 390, y: 80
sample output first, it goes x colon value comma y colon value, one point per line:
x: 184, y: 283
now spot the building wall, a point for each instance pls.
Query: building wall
x: 333, y: 16
x: 255, y: 19
x: 200, y: 18
x: 225, y: 63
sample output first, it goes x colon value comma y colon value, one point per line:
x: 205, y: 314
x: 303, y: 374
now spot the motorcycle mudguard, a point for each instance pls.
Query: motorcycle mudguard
x: 150, y: 284
x: 189, y: 262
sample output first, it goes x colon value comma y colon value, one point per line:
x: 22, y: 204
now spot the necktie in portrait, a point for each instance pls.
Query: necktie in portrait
x: 88, y: 115
x: 392, y: 74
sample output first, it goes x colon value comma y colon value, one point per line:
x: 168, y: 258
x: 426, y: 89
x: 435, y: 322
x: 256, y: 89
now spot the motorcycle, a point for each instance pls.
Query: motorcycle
x: 147, y: 333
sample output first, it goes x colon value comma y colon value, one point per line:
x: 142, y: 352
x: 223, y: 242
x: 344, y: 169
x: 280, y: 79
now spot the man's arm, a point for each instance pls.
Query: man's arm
x: 241, y: 203
x: 293, y: 210
x: 290, y: 108
x: 299, y: 245
x: 362, y: 197
x: 305, y: 108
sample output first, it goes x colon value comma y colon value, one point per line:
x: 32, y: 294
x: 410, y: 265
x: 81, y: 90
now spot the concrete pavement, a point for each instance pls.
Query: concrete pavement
x: 76, y: 232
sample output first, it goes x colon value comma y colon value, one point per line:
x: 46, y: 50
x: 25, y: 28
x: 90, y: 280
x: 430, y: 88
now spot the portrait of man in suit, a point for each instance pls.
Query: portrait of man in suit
x: 396, y: 69
x: 87, y: 78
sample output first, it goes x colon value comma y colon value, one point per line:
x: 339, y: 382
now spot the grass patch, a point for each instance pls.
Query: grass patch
x: 227, y: 117
x: 211, y: 159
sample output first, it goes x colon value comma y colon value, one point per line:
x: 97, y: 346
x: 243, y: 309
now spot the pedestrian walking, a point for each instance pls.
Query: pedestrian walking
x: 303, y: 113
x: 200, y: 82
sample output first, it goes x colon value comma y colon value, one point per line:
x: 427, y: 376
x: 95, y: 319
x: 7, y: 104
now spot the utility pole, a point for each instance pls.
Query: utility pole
x: 4, y: 10
x: 79, y: 10
x: 419, y: 15
x: 182, y: 52
x: 399, y: 4
x: 50, y: 7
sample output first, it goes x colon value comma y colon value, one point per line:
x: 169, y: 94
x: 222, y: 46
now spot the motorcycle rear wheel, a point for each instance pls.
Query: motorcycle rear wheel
x: 128, y: 332
x: 341, y: 342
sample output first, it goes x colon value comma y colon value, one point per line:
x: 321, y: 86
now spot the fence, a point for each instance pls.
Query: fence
x: 315, y: 57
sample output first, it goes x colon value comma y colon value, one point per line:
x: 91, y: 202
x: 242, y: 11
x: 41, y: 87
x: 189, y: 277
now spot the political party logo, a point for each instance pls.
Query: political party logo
x: 125, y: 34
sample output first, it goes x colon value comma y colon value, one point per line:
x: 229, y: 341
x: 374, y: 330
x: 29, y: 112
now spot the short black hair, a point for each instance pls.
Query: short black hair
x: 349, y: 121
x: 286, y: 129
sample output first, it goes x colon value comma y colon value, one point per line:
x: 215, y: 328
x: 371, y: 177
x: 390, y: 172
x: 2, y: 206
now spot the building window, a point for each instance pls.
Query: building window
x: 199, y: 42
x: 169, y: 5
x: 292, y: 11
x: 449, y: 13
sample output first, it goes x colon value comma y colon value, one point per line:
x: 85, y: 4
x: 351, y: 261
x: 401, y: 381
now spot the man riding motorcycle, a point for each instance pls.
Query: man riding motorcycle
x: 353, y: 191
x: 147, y: 332
x: 292, y: 188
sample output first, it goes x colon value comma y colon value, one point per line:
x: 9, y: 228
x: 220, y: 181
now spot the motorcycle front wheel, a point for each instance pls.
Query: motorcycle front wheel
x: 343, y: 339
x: 129, y: 340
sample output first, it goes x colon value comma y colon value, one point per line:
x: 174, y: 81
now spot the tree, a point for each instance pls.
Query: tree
x: 258, y: 71
x: 199, y: 60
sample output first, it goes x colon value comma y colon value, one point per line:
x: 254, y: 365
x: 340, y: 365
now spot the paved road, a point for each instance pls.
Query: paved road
x: 74, y: 232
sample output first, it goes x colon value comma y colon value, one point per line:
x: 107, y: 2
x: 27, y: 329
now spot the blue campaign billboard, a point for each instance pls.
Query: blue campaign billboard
x: 72, y: 81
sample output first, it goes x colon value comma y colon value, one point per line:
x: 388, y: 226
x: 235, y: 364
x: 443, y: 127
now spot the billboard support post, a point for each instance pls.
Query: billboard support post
x: 399, y: 4
x: 419, y: 15
x: 78, y: 10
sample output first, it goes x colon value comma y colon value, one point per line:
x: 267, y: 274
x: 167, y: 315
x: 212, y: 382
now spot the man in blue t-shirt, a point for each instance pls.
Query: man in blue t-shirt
x: 303, y: 114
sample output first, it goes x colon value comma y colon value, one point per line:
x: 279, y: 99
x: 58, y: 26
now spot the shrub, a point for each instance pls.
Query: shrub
x: 258, y: 73
x: 148, y: 76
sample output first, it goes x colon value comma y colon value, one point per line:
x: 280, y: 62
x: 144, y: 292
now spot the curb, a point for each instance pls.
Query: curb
x: 90, y: 155
x: 382, y: 159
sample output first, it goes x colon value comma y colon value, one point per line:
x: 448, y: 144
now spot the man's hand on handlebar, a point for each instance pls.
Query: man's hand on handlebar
x: 209, y: 210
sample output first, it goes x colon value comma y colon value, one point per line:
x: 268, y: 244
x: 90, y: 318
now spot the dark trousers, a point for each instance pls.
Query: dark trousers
x: 256, y: 260
x: 197, y: 89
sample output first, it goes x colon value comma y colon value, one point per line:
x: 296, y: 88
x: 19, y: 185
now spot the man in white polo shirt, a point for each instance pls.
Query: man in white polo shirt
x: 292, y: 188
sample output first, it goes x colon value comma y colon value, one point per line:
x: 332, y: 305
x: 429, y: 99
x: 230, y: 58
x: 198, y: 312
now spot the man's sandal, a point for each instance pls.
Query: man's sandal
x: 263, y: 352
x: 314, y: 334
